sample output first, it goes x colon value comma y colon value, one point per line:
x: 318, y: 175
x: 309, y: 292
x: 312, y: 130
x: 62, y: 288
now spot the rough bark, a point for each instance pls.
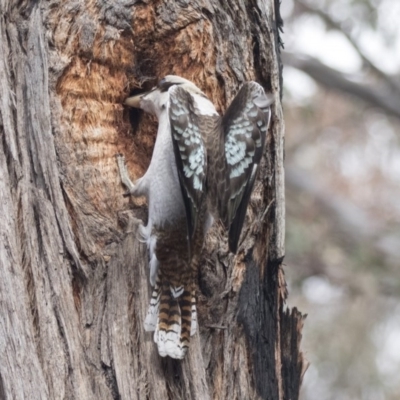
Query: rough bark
x: 74, y: 288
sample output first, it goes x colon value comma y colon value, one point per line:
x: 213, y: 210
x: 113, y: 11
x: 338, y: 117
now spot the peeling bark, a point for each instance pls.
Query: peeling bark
x: 74, y: 288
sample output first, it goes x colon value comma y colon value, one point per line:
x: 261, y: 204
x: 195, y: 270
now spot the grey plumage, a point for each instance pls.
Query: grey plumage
x: 203, y: 167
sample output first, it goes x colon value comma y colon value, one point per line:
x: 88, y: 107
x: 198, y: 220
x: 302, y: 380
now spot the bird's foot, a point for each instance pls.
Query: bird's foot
x: 123, y: 172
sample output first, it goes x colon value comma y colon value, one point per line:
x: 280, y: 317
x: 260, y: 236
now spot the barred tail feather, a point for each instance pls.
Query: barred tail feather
x: 151, y: 321
x: 193, y: 326
x: 185, y: 303
x: 174, y: 319
x: 168, y: 332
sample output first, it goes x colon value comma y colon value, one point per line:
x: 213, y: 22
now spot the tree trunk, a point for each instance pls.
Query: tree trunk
x: 74, y: 285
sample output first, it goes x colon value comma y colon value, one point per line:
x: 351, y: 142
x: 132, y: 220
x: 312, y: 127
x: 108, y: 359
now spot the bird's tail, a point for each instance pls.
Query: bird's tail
x: 173, y: 318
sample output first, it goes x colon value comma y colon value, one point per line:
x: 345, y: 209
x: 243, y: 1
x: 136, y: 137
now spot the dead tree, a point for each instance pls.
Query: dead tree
x: 74, y: 281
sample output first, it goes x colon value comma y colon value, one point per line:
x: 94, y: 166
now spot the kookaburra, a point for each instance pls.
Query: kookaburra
x: 203, y: 168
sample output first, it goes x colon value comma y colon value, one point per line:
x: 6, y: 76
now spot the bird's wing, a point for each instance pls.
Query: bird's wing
x: 245, y: 125
x: 190, y: 153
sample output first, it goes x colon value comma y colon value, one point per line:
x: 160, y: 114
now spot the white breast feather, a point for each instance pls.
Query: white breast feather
x: 165, y: 198
x: 204, y: 105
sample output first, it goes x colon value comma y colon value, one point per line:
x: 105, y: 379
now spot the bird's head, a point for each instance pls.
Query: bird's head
x: 154, y: 102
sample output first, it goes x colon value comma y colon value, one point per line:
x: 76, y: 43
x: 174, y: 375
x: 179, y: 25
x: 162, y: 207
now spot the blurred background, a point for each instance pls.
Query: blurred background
x: 342, y: 115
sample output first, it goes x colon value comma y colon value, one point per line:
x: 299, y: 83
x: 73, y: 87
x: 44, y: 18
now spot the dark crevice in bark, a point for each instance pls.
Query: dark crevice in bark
x: 173, y: 378
x: 259, y: 37
x: 6, y: 151
x: 3, y: 394
x: 111, y: 381
x: 257, y: 314
x: 135, y: 114
x: 292, y: 364
x: 77, y: 293
x: 256, y: 50
x: 33, y: 305
x: 207, y: 13
x: 37, y: 217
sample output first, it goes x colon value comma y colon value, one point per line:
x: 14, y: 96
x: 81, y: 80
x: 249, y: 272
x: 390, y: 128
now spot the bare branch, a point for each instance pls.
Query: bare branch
x: 329, y: 77
x: 336, y: 25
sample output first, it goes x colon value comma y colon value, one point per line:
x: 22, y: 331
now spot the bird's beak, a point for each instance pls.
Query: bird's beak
x: 134, y: 101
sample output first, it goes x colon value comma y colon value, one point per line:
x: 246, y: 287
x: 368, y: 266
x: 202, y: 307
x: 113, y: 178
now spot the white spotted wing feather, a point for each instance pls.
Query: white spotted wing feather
x: 190, y: 152
x: 245, y: 126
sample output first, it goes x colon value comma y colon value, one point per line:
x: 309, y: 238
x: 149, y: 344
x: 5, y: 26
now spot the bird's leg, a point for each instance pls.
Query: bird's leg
x: 123, y: 172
